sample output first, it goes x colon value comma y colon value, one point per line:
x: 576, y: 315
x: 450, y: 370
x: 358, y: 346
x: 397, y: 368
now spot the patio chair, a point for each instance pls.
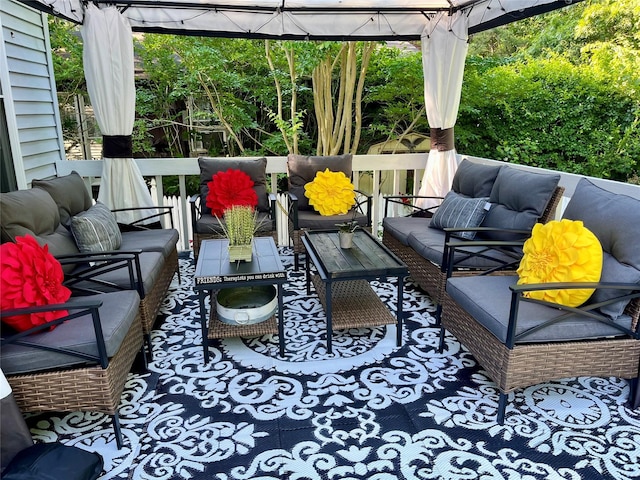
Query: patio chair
x: 205, y: 225
x: 513, y: 201
x: 521, y: 341
x: 302, y: 169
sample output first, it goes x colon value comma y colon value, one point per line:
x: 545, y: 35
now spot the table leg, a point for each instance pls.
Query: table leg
x: 329, y: 315
x: 399, y: 311
x: 202, y: 295
x: 307, y: 273
x: 280, y: 320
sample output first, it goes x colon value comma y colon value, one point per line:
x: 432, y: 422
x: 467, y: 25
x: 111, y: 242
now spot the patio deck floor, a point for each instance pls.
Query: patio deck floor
x: 371, y: 410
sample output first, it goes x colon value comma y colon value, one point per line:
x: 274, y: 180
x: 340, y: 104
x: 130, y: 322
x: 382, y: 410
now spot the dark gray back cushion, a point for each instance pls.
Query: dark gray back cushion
x: 518, y: 200
x: 615, y: 220
x: 474, y: 179
x: 256, y: 168
x: 302, y: 169
x: 70, y: 194
x: 33, y: 212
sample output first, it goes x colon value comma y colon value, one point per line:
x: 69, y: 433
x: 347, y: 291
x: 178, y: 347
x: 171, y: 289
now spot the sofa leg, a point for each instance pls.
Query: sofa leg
x: 438, y: 314
x: 634, y: 393
x: 502, y: 406
x: 116, y: 428
x: 296, y: 261
x: 441, y: 344
x: 147, y: 341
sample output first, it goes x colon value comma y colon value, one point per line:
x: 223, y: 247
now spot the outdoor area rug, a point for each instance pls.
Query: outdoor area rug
x: 371, y: 410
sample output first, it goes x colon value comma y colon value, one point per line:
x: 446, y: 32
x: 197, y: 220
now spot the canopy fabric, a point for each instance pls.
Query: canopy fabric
x: 108, y: 67
x: 304, y: 19
x: 444, y: 50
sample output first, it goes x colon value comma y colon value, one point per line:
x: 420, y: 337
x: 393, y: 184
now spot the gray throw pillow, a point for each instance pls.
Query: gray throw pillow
x: 96, y: 230
x: 302, y: 169
x: 474, y: 179
x: 457, y: 211
x: 70, y: 194
x: 519, y: 198
x: 256, y: 168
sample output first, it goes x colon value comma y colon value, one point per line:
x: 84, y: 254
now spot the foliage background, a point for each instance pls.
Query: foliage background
x: 558, y: 91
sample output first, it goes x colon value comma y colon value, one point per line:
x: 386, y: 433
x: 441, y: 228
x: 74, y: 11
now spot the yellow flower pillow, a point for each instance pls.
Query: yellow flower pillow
x: 330, y: 193
x: 561, y: 251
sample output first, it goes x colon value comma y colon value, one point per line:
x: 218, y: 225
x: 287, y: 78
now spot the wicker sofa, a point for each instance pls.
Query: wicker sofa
x: 520, y: 342
x: 515, y: 201
x: 46, y: 211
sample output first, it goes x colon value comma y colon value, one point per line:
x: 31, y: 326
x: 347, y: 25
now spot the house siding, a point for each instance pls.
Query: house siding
x: 29, y: 92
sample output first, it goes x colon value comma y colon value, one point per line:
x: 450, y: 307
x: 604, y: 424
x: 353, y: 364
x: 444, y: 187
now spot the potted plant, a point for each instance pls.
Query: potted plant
x: 345, y: 232
x: 232, y: 196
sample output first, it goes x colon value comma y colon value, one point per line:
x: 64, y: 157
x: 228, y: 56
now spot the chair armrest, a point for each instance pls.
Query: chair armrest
x: 368, y: 201
x: 505, y: 247
x: 587, y: 310
x: 196, y: 211
x: 76, y: 308
x: 416, y: 210
x: 159, y: 211
x: 293, y: 209
x: 90, y: 265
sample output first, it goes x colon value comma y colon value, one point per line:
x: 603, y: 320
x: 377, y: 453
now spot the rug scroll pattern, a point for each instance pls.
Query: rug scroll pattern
x: 371, y: 410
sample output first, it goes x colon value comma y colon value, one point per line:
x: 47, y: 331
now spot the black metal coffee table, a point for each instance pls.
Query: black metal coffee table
x: 342, y: 281
x: 214, y: 271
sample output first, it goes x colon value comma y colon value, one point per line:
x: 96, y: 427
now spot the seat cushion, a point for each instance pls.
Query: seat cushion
x: 256, y: 168
x: 401, y: 227
x: 96, y: 230
x: 615, y: 220
x: 487, y: 299
x: 429, y: 244
x: 312, y: 220
x: 302, y: 169
x: 151, y: 266
x: 70, y: 194
x: 160, y: 240
x: 474, y: 179
x: 518, y: 199
x: 458, y: 211
x: 117, y: 313
x: 209, y: 225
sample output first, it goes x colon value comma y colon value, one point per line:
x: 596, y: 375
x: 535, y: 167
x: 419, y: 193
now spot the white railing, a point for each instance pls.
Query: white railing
x: 375, y: 174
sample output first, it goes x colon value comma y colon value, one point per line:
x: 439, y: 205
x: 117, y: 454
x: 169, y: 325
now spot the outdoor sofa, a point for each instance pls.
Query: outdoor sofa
x: 46, y: 212
x: 522, y: 341
x: 495, y: 204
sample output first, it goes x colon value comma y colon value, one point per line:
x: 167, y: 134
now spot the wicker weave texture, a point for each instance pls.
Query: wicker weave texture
x: 531, y: 364
x: 88, y: 388
x: 151, y: 303
x: 218, y: 329
x: 354, y: 303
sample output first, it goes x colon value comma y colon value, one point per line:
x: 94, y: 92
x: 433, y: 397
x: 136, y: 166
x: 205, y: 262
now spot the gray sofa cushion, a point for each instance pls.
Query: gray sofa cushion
x: 117, y: 313
x: 311, y: 220
x: 615, y: 220
x: 519, y: 199
x: 401, y: 227
x: 209, y: 225
x: 160, y: 240
x: 487, y: 299
x: 256, y: 168
x: 474, y: 179
x: 429, y: 243
x: 33, y: 212
x: 302, y: 169
x: 457, y: 211
x: 96, y: 230
x: 70, y: 194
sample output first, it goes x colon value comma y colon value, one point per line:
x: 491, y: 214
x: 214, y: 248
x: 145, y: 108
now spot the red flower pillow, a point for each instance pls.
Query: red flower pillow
x: 30, y: 276
x: 226, y: 189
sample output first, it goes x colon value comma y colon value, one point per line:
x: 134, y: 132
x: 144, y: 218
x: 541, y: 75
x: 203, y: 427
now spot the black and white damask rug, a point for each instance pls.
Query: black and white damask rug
x: 369, y: 411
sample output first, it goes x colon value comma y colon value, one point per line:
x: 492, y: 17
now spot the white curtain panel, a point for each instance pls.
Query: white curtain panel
x: 444, y: 50
x: 108, y: 69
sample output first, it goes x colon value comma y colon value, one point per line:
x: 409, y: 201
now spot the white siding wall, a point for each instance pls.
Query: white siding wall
x: 29, y: 92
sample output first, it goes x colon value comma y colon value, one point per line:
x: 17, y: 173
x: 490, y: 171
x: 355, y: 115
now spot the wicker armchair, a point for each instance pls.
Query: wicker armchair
x: 496, y: 252
x: 301, y: 216
x: 205, y: 226
x: 521, y: 342
x: 82, y: 364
